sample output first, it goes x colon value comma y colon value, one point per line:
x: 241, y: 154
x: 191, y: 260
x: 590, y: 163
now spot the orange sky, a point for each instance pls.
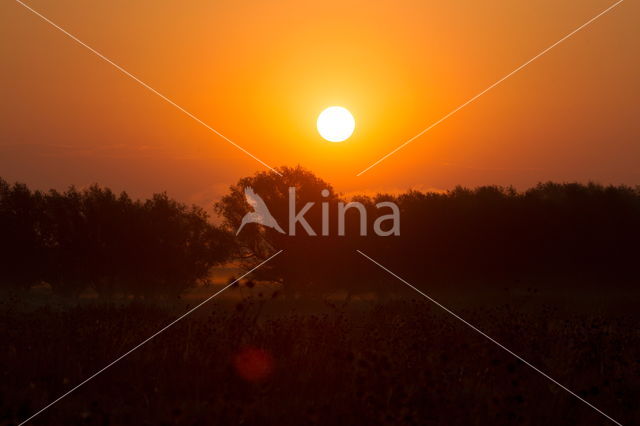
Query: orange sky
x: 260, y: 72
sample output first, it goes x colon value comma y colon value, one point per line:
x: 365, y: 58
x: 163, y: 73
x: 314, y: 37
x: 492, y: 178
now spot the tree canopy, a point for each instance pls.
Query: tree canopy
x: 93, y: 238
x: 492, y: 235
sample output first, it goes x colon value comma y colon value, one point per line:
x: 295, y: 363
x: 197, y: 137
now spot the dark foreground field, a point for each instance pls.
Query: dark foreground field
x: 266, y: 361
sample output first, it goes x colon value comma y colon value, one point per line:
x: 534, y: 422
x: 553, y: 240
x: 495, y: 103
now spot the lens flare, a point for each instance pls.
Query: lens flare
x: 253, y: 364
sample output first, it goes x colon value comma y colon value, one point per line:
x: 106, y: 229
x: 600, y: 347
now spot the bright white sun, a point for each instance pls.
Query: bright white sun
x: 336, y: 124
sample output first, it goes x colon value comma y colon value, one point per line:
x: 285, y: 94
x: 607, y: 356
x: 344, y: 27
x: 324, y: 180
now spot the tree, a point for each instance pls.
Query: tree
x: 317, y: 264
x: 176, y: 246
x: 93, y: 238
x: 21, y: 253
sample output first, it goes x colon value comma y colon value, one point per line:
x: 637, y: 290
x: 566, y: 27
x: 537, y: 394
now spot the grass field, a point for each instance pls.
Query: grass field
x: 252, y: 358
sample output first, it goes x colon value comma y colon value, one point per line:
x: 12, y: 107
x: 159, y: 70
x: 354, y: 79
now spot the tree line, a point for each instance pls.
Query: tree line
x: 94, y: 238
x: 561, y: 234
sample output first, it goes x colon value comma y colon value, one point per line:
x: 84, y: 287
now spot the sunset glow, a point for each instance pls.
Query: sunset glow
x: 264, y: 89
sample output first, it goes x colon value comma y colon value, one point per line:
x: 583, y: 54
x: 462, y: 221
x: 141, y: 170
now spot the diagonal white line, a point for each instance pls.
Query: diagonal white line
x: 145, y: 85
x: 148, y: 339
x: 449, y: 311
x: 491, y: 87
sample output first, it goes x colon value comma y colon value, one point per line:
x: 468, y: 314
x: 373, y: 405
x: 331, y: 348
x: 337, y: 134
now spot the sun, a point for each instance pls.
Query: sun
x: 336, y: 124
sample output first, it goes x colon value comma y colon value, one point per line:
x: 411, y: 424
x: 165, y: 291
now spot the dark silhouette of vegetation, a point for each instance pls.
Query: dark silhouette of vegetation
x: 253, y: 357
x: 95, y: 239
x: 487, y: 236
x: 491, y: 235
x: 399, y: 363
x: 311, y: 261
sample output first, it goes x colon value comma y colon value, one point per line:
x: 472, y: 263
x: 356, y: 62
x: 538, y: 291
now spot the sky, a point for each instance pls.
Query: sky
x: 260, y: 72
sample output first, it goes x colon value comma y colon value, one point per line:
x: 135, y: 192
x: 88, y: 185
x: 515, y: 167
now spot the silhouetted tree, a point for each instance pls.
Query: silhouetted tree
x: 557, y: 233
x: 495, y: 236
x: 21, y: 253
x: 310, y: 264
x: 95, y: 239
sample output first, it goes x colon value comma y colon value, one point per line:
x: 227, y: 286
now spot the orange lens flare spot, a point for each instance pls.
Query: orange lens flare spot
x: 253, y: 364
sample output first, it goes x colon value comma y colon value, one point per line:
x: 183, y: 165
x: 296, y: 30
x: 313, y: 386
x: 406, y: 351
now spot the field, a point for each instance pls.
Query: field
x: 252, y: 357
